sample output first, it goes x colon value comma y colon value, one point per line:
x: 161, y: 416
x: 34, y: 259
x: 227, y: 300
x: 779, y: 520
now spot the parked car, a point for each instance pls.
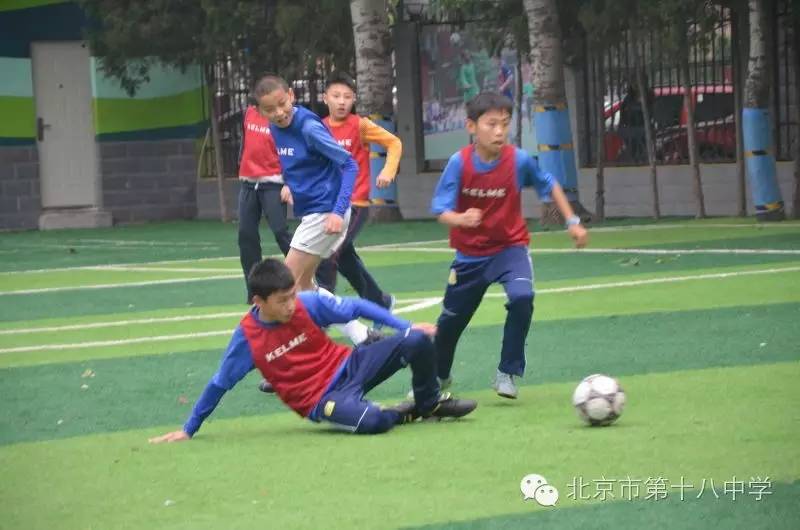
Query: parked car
x: 714, y: 119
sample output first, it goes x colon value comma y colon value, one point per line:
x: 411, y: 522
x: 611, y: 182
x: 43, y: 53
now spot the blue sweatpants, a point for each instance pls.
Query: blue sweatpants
x: 367, y: 367
x: 467, y: 284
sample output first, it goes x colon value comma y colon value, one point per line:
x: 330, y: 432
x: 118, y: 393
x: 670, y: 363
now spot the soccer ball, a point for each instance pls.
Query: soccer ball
x: 599, y: 399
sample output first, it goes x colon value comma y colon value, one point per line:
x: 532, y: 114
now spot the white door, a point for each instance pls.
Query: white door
x: 68, y: 164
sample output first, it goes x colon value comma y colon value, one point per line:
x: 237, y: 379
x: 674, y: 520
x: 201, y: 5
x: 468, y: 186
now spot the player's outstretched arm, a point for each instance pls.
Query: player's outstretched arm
x: 374, y: 133
x: 576, y: 230
x: 174, y: 436
x: 326, y: 310
x: 236, y: 363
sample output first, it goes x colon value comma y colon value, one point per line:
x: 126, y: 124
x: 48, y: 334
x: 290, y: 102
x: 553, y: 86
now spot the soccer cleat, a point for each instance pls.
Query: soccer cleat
x: 450, y: 407
x: 406, y: 411
x: 447, y: 407
x: 444, y: 384
x: 265, y: 387
x: 373, y: 335
x: 504, y: 385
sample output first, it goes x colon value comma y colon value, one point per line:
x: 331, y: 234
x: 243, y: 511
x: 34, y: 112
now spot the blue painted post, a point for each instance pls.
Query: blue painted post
x: 556, y: 152
x: 759, y: 153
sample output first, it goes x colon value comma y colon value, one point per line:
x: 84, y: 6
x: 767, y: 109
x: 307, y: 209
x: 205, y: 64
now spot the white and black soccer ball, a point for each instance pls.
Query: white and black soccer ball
x: 599, y: 399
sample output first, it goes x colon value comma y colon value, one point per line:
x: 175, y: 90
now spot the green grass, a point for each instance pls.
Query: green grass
x: 709, y: 364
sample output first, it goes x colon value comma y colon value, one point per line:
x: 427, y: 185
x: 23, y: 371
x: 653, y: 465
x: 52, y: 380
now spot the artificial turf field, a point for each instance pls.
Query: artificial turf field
x: 108, y: 336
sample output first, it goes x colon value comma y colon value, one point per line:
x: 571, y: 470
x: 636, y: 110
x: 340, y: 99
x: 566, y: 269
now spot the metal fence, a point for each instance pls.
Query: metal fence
x: 717, y: 64
x: 232, y: 82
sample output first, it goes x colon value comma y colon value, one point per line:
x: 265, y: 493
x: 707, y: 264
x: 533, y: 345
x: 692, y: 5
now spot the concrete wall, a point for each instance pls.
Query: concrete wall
x: 20, y: 200
x: 628, y: 191
x: 208, y: 198
x: 149, y: 180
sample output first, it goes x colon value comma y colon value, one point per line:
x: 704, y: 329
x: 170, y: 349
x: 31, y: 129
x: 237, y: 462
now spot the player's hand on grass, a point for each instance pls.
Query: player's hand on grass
x: 428, y: 329
x: 174, y: 436
x: 334, y: 224
x: 286, y: 195
x: 471, y: 218
x: 383, y: 180
x: 579, y: 235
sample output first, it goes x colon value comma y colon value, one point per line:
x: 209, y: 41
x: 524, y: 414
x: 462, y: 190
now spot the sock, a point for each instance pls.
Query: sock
x: 354, y: 330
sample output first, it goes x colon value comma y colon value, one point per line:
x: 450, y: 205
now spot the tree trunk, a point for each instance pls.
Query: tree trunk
x: 600, y: 139
x: 796, y: 31
x: 756, y: 119
x: 544, y: 33
x: 644, y: 100
x: 373, y: 56
x: 691, y: 133
x: 374, y: 76
x: 756, y: 89
x: 738, y: 88
x: 216, y: 142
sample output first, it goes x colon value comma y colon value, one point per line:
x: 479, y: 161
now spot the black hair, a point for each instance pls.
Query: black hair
x: 341, y: 78
x: 268, y: 84
x: 269, y: 276
x: 486, y: 101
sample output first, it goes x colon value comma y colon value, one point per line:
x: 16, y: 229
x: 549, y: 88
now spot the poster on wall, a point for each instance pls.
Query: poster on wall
x: 454, y: 67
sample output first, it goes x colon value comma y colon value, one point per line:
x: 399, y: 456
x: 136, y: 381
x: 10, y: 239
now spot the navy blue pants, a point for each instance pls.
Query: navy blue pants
x: 255, y: 201
x: 367, y: 367
x: 467, y: 284
x: 347, y: 261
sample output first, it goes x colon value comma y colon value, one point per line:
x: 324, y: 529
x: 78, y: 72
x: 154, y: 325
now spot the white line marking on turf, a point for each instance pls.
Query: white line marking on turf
x: 120, y: 285
x: 653, y: 251
x: 233, y: 271
x: 387, y: 246
x: 135, y: 242
x: 421, y: 304
x: 98, y: 343
x: 650, y: 281
x: 135, y: 268
x: 93, y: 344
x: 92, y: 267
x: 418, y: 303
x: 115, y: 323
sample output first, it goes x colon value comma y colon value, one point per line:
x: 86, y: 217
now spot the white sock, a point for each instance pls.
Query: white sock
x: 354, y: 330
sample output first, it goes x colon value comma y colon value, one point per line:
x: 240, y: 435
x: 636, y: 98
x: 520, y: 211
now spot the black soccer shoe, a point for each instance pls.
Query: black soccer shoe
x: 450, y: 407
x: 447, y: 407
x: 265, y: 387
x: 407, y: 411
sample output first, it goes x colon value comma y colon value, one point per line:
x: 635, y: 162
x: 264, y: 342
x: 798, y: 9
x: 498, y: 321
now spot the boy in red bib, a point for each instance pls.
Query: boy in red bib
x: 262, y: 191
x: 479, y: 198
x: 283, y: 337
x: 354, y: 133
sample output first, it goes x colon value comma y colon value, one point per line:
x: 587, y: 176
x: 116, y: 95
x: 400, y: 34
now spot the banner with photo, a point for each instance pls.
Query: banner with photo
x: 455, y: 67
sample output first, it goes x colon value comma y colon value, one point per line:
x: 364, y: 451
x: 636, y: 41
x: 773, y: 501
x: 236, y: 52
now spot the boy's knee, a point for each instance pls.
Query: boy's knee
x: 418, y: 340
x: 376, y: 421
x: 520, y: 301
x: 417, y: 344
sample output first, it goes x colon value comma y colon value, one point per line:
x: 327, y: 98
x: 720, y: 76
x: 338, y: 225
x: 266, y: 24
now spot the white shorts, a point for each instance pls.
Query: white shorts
x: 310, y: 236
